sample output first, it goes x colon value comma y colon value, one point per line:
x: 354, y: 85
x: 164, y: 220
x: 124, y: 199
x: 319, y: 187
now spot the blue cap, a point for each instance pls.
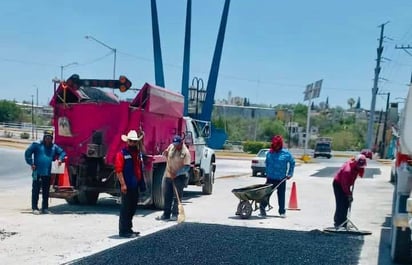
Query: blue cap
x: 177, y: 139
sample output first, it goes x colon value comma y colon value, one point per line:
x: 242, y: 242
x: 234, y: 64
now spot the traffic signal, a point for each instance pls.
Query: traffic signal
x: 125, y: 84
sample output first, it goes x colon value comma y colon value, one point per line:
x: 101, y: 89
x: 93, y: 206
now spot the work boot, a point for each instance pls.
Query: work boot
x: 262, y: 213
x: 173, y: 218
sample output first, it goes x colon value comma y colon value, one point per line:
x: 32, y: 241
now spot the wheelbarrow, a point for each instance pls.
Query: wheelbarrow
x: 251, y: 196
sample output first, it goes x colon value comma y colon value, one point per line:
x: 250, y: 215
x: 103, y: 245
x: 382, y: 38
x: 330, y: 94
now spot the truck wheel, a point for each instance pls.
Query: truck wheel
x: 254, y: 173
x: 208, y: 180
x: 157, y: 187
x: 73, y: 200
x: 401, y: 247
x: 88, y: 197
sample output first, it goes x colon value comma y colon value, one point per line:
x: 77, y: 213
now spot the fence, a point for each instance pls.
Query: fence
x: 22, y: 130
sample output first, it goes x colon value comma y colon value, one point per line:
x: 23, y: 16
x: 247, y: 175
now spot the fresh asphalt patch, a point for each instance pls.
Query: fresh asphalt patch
x: 196, y: 243
x: 330, y: 172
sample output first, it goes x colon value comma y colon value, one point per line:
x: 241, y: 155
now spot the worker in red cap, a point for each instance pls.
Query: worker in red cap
x: 280, y: 165
x: 343, y: 186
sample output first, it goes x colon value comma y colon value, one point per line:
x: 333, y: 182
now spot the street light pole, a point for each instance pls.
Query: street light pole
x: 290, y: 126
x: 64, y: 66
x: 32, y: 117
x: 110, y: 48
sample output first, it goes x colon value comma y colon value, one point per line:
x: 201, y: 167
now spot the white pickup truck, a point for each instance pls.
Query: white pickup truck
x: 401, y: 244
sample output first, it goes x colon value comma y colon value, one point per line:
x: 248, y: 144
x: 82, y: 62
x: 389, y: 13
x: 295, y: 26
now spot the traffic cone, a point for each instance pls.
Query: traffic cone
x: 63, y: 179
x: 293, y: 201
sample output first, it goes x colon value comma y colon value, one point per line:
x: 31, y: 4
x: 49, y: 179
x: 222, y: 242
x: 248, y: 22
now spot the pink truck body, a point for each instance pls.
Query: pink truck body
x: 88, y: 125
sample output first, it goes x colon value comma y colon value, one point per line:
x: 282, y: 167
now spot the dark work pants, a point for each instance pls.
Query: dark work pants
x: 171, y: 204
x: 42, y: 182
x: 342, y: 204
x: 281, y: 190
x: 128, y: 208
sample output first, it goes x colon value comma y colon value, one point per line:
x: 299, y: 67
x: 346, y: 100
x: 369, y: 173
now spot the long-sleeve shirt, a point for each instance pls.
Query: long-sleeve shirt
x: 42, y: 156
x: 347, y: 175
x: 279, y: 164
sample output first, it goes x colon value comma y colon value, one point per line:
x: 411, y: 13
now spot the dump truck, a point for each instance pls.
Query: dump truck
x: 401, y: 244
x: 89, y: 119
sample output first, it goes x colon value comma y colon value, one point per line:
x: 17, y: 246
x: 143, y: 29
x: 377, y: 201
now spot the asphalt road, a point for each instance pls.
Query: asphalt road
x: 213, y: 234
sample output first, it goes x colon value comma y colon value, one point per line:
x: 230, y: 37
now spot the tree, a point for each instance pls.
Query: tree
x: 9, y: 111
x: 351, y: 102
x: 358, y: 106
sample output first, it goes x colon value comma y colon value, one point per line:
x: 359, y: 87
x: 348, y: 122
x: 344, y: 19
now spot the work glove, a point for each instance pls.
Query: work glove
x: 350, y: 198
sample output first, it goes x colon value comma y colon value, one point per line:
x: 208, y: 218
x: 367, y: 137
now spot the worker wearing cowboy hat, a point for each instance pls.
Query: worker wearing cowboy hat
x: 178, y: 164
x: 128, y: 168
x: 342, y: 183
x: 39, y: 155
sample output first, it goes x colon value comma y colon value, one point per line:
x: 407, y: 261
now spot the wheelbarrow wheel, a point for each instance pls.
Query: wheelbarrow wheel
x: 244, y: 209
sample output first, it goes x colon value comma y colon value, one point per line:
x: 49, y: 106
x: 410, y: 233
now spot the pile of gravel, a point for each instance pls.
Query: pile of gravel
x: 195, y: 243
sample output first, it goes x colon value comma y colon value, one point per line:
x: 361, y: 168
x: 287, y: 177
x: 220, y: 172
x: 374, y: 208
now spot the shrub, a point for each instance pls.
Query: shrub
x: 254, y: 147
x: 24, y: 135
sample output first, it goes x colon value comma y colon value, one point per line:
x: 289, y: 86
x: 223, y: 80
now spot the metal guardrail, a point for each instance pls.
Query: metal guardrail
x: 22, y: 130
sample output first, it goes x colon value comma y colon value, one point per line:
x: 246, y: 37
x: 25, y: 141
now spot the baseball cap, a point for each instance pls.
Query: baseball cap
x: 48, y: 133
x: 177, y: 140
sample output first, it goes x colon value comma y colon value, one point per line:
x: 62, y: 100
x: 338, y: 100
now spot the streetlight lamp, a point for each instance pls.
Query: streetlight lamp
x: 64, y: 66
x: 107, y: 46
x: 197, y: 93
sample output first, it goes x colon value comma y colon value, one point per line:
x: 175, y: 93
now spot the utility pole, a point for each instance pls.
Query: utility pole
x: 382, y: 151
x: 371, y: 122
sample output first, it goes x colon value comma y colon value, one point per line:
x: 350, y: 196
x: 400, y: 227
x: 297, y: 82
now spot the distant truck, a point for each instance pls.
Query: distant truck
x: 89, y: 122
x: 323, y: 147
x: 401, y: 244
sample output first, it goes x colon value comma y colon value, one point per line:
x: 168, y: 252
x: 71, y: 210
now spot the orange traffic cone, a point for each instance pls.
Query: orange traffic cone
x: 293, y: 201
x: 63, y: 179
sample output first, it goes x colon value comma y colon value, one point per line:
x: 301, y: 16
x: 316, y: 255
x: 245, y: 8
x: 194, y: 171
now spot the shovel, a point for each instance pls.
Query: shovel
x: 181, y: 216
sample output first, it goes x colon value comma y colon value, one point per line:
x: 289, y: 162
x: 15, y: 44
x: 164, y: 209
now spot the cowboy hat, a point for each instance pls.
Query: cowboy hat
x: 132, y: 136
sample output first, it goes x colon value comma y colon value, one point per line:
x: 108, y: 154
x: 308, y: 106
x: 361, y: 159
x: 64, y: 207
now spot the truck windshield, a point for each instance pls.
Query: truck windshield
x: 323, y: 147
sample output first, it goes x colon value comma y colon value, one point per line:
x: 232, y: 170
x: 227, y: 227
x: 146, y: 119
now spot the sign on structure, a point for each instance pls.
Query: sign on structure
x: 313, y: 90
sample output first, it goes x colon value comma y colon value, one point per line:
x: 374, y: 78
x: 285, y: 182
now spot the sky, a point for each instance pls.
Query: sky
x: 272, y: 49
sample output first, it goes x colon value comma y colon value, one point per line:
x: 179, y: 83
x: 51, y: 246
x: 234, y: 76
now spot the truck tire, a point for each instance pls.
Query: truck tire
x: 209, y: 179
x: 157, y: 186
x: 401, y: 247
x: 88, y: 197
x: 73, y: 200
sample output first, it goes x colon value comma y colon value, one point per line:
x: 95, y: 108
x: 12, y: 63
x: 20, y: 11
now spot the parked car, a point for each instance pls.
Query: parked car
x: 367, y: 153
x: 258, y: 163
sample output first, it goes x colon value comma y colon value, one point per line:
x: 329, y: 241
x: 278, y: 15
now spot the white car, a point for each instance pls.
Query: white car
x: 258, y: 163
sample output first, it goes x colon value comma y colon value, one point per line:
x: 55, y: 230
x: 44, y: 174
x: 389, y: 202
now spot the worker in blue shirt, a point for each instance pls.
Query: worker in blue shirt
x: 280, y: 165
x: 39, y: 156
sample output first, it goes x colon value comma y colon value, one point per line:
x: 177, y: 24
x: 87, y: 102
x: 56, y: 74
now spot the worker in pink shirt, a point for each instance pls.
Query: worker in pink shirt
x: 343, y: 185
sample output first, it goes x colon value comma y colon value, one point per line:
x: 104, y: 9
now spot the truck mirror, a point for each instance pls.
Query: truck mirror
x: 206, y: 130
x: 188, y: 138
